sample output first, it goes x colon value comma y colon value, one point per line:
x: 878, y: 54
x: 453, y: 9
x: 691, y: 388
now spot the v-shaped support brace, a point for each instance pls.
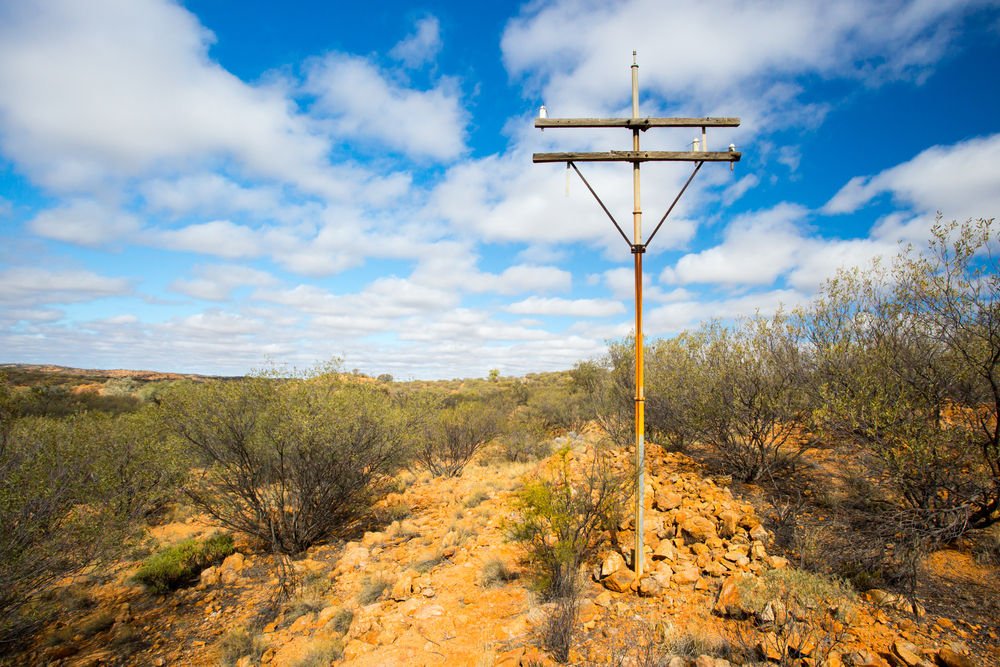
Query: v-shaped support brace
x: 636, y: 247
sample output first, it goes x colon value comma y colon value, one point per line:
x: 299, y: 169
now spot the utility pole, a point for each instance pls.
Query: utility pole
x: 699, y: 155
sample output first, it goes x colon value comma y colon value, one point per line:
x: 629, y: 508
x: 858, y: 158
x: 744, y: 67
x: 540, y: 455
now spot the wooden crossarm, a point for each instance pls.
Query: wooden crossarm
x: 640, y: 123
x: 640, y: 156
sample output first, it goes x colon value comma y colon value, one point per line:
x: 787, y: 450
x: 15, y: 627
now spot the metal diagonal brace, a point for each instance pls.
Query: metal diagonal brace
x: 617, y: 226
x: 676, y: 199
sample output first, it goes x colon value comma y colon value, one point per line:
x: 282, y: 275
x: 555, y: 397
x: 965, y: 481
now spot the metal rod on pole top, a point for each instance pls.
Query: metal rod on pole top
x: 638, y: 248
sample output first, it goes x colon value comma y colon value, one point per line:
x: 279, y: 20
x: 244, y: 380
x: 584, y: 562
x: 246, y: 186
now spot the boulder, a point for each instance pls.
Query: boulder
x: 667, y: 501
x: 210, y: 576
x: 730, y: 602
x: 730, y: 523
x: 233, y: 562
x: 620, y: 581
x: 665, y: 551
x: 952, y: 658
x: 906, y: 652
x: 699, y: 528
x: 649, y: 587
x: 612, y: 564
x: 687, y: 574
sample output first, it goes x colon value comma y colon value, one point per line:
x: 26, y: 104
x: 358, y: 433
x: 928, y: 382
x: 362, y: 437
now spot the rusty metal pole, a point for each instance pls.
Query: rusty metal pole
x: 637, y: 250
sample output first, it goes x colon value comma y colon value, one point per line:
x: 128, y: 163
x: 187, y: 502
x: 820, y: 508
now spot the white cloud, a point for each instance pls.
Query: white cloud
x: 758, y: 247
x: 573, y: 55
x: 85, y: 222
x: 363, y: 102
x: 216, y: 282
x: 420, y: 47
x: 208, y: 192
x: 221, y: 238
x: 96, y: 91
x: 960, y: 180
x: 739, y: 188
x: 535, y: 305
x: 31, y: 286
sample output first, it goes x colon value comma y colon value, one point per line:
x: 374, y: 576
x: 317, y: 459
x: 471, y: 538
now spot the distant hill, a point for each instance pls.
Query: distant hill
x: 33, y: 374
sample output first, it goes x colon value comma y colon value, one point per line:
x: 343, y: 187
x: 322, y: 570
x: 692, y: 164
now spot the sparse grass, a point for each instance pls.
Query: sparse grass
x: 988, y: 548
x: 341, y: 621
x: 476, y: 499
x: 496, y: 571
x: 457, y: 535
x: 398, y: 511
x: 372, y: 589
x: 807, y: 589
x: 427, y: 564
x: 181, y: 563
x: 300, y: 606
x: 99, y: 622
x: 238, y: 643
x: 322, y: 654
x: 693, y: 642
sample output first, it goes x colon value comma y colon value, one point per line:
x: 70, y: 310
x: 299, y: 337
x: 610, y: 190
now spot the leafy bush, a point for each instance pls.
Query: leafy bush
x: 453, y: 435
x: 906, y: 364
x: 181, y: 563
x: 523, y: 440
x: 72, y: 491
x: 562, y: 512
x: 291, y: 461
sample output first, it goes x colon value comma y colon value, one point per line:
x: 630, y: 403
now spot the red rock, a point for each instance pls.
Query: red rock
x: 951, y: 658
x: 620, y: 581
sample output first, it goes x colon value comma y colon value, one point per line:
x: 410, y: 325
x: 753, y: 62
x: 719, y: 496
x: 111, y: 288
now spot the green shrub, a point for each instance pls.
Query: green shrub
x: 562, y: 512
x: 291, y: 461
x: 183, y: 562
x: 72, y: 491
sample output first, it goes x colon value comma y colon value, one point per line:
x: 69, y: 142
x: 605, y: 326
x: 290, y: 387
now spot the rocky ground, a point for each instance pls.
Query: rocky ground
x: 418, y: 592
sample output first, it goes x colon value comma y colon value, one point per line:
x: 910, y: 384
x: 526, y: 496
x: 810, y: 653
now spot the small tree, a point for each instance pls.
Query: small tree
x: 751, y: 405
x: 290, y: 461
x: 562, y: 512
x: 907, y: 364
x: 453, y: 435
x: 71, y: 492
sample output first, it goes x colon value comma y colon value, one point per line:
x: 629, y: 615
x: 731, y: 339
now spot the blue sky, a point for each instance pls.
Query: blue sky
x: 195, y: 186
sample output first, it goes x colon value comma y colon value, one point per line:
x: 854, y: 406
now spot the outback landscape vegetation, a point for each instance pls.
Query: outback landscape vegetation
x: 822, y: 489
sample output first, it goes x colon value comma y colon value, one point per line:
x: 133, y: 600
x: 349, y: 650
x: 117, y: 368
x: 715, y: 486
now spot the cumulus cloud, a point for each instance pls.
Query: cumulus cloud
x: 573, y: 56
x: 363, y: 102
x: 217, y: 282
x: 221, y: 238
x: 959, y: 180
x: 420, y: 47
x: 86, y: 223
x: 95, y: 92
x: 758, y: 247
x: 555, y: 306
x: 30, y: 286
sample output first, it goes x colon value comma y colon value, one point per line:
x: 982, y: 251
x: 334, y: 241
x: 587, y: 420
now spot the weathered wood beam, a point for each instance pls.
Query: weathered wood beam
x: 640, y: 123
x: 640, y: 156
